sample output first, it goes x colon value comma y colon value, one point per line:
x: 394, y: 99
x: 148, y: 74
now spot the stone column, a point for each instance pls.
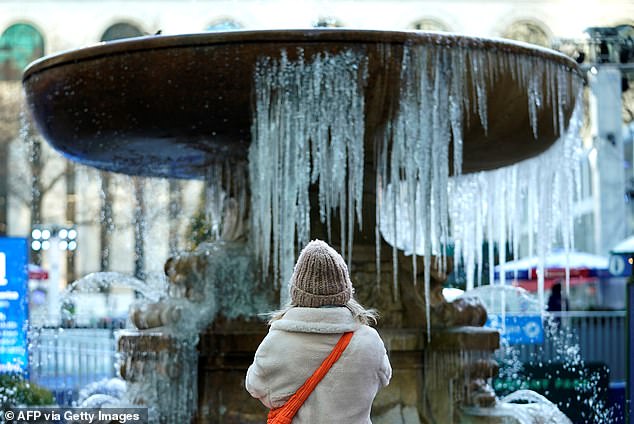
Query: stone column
x: 608, y: 162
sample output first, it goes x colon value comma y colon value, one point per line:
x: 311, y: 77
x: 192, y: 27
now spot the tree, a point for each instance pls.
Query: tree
x: 106, y: 221
x: 139, y: 222
x: 30, y: 182
x: 71, y: 216
x: 174, y: 210
x: 9, y: 127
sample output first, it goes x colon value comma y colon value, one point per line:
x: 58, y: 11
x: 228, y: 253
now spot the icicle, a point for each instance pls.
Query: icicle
x: 534, y: 100
x: 490, y: 231
x: 499, y: 210
x: 427, y: 262
x: 395, y: 220
x: 539, y: 192
x: 214, y: 198
x: 313, y: 110
x: 478, y: 79
x: 377, y: 231
x: 456, y: 96
x: 480, y: 230
x: 309, y: 122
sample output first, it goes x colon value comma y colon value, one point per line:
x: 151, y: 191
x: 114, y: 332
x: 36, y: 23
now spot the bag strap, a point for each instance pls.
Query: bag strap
x: 285, y: 413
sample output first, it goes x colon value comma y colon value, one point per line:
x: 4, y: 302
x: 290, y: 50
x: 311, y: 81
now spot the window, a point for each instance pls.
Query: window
x: 429, y: 24
x: 528, y: 32
x: 20, y: 44
x: 121, y: 30
x: 327, y: 22
x: 224, y: 24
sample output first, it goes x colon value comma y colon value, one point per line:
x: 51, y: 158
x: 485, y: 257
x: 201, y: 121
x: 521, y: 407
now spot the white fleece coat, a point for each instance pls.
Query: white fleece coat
x: 295, y: 347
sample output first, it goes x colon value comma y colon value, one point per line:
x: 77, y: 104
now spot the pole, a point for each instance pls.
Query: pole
x: 53, y: 281
x: 629, y: 392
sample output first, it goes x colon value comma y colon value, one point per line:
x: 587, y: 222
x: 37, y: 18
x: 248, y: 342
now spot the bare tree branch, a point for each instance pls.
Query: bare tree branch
x: 53, y: 181
x: 19, y: 194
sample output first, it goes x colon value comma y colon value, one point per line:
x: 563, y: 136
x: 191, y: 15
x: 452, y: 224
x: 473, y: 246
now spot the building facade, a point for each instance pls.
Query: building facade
x: 132, y: 225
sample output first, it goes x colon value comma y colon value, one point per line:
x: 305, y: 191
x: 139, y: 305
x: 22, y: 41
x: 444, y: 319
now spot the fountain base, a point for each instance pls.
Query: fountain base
x: 160, y: 371
x: 225, y: 356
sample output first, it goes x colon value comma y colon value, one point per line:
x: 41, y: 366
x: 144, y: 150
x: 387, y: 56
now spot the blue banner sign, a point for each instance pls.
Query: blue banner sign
x: 518, y: 329
x: 13, y: 305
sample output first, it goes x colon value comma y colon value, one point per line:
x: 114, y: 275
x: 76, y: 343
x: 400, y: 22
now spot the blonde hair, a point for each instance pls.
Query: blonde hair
x: 359, y: 313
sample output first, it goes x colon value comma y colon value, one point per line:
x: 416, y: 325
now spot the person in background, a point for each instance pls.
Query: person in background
x: 320, y: 362
x: 556, y: 303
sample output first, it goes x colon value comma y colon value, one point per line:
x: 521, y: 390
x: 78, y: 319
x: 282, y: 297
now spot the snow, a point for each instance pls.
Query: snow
x: 559, y: 259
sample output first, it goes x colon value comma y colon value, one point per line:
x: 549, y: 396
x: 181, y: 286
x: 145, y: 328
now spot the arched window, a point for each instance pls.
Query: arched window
x: 429, y: 24
x: 121, y: 30
x: 20, y: 44
x: 529, y: 32
x: 224, y: 24
x: 327, y: 22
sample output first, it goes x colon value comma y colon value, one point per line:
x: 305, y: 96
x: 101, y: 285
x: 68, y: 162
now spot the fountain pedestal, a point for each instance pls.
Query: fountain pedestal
x: 225, y: 356
x: 158, y: 365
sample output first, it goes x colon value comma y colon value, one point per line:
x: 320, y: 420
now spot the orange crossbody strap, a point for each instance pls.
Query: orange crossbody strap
x: 285, y: 413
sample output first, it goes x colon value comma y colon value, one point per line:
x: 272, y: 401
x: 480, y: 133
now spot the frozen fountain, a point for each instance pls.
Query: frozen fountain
x: 374, y: 140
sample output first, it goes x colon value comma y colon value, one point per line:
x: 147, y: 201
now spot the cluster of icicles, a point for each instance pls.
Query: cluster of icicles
x: 309, y: 129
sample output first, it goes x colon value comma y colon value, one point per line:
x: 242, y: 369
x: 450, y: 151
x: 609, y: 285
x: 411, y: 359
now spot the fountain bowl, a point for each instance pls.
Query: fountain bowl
x: 169, y: 106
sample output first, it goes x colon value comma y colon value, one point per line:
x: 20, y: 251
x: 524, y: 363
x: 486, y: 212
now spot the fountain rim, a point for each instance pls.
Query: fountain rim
x: 304, y: 36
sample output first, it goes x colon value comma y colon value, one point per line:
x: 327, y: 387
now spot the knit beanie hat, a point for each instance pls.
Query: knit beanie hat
x: 320, y: 277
